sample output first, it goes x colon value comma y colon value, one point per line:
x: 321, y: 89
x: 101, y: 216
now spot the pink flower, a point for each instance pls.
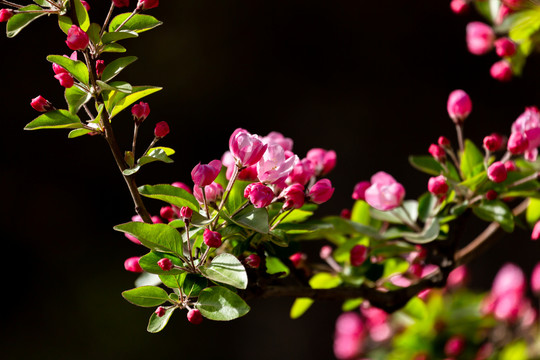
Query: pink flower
x: 6, y: 14
x: 497, y: 172
x: 493, y: 142
x: 454, y: 346
x: 259, y: 194
x: 376, y: 320
x: 504, y: 11
x: 325, y: 252
x: 535, y: 279
x: 246, y: 174
x: 194, y: 316
x: 510, y: 278
x: 77, y: 39
x: 186, y: 213
x: 165, y: 264
x: 505, y: 47
x: 85, y: 4
x: 536, y: 231
x: 65, y: 79
x: 501, y: 71
x: 491, y: 195
x: 274, y: 167
x: 517, y: 143
x: 359, y: 192
x: 459, y: 106
x: 528, y: 124
x: 348, y: 336
x: 212, y: 238
x: 205, y: 174
x: 359, y: 254
x: 277, y: 138
x: 437, y: 152
x: 385, y: 193
x: 132, y: 264
x: 140, y: 111
x: 294, y: 196
x: 181, y: 185
x: 459, y: 7
x: 514, y: 4
x: 298, y: 259
x: 247, y: 149
x: 457, y: 277
x: 443, y: 142
x: 301, y: 172
x: 321, y: 191
x: 41, y: 104
x: 167, y: 213
x: 212, y: 191
x: 323, y: 161
x: 161, y: 129
x: 510, y: 166
x: 147, y: 4
x: 253, y: 261
x: 438, y: 185
x: 120, y: 3
x: 480, y: 37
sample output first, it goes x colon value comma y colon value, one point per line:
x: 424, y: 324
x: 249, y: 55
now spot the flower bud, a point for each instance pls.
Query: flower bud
x: 166, y: 212
x: 493, y: 142
x: 505, y: 47
x: 459, y: 106
x: 247, y: 149
x: 536, y: 231
x: 479, y: 37
x: 120, y: 3
x: 443, y: 142
x: 491, y: 195
x: 321, y: 192
x: 186, y: 213
x: 517, y: 143
x: 65, y: 79
x: 132, y: 264
x: 535, y: 280
x: 253, y: 261
x: 212, y: 238
x: 161, y: 129
x: 510, y: 166
x: 213, y: 193
x: 140, y: 111
x: 437, y: 152
x: 205, y: 174
x: 385, y: 193
x: 514, y: 4
x: 41, y: 104
x: 301, y: 172
x: 181, y: 185
x: 345, y: 214
x: 147, y: 4
x: 359, y: 192
x: 165, y: 264
x: 459, y: 7
x: 454, y: 346
x: 497, y: 172
x: 160, y: 311
x: 58, y: 69
x: 77, y: 39
x: 298, y: 259
x: 85, y: 4
x: 359, y: 254
x: 323, y: 161
x: 294, y: 196
x: 501, y: 71
x: 438, y: 185
x: 100, y: 66
x: 194, y: 316
x: 6, y: 14
x: 457, y: 277
x: 259, y: 194
x: 326, y: 252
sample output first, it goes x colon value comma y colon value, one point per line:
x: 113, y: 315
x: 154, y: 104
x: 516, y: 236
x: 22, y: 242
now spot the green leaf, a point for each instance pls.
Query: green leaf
x: 82, y: 16
x: 172, y: 281
x: 472, y: 160
x: 157, y: 237
x: 300, y: 306
x: 111, y: 37
x: 426, y: 164
x: 253, y: 219
x: 171, y: 194
x: 515, y: 351
x: 227, y: 269
x: 533, y: 211
x: 19, y: 21
x: 275, y: 266
x: 120, y: 86
x: 156, y: 323
x: 426, y: 204
x: 157, y: 154
x: 64, y: 22
x: 416, y: 308
x: 116, y: 66
x: 236, y: 197
x: 78, y: 132
x: 146, y: 296
x: 138, y: 23
x: 118, y: 101
x: 221, y: 304
x: 114, y: 48
x: 429, y: 233
x: 475, y: 181
x: 75, y: 67
x: 523, y: 24
x: 76, y: 98
x: 93, y: 33
x: 360, y: 212
x: 149, y: 264
x: 352, y: 304
x: 412, y: 212
x: 193, y: 285
x: 395, y: 266
x: 497, y: 211
x: 56, y: 119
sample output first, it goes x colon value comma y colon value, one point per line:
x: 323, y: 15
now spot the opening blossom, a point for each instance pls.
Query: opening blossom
x: 294, y: 196
x: 528, y: 124
x: 321, y: 192
x: 274, y: 167
x: 205, y: 174
x: 323, y: 161
x: 359, y: 191
x: 213, y: 192
x: 259, y: 195
x: 385, y: 193
x: 246, y: 149
x: 77, y: 39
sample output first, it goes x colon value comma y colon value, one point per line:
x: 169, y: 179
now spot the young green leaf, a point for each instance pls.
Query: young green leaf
x: 119, y: 86
x: 82, y: 15
x: 76, y: 98
x: 146, y: 296
x: 111, y: 37
x: 78, y: 132
x: 253, y: 218
x: 497, y: 211
x: 19, y: 21
x: 64, y: 22
x: 533, y: 211
x: 156, y: 323
x: 227, y: 269
x: 157, y: 237
x: 93, y: 33
x: 116, y: 66
x: 171, y: 194
x: 472, y: 160
x: 118, y: 101
x: 75, y: 67
x: 56, y: 119
x: 114, y: 48
x: 149, y: 263
x: 138, y: 23
x: 221, y: 304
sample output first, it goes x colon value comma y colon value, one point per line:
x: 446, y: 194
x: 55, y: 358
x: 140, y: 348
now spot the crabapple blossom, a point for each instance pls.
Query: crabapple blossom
x: 535, y: 279
x: 167, y: 213
x: 140, y: 111
x: 359, y: 192
x: 517, y: 143
x: 100, y: 66
x: 493, y: 142
x: 181, y: 185
x: 6, y: 14
x: 246, y: 149
x: 359, y: 254
x: 298, y: 259
x: 497, y: 172
x: 501, y: 71
x: 454, y: 346
x: 160, y: 311
x: 459, y: 106
x: 77, y: 39
x: 437, y: 152
x: 459, y: 6
x: 147, y: 4
x: 41, y: 104
x: 186, y: 212
x: 65, y: 79
x: 274, y: 167
x: 194, y: 316
x: 385, y: 193
x: 301, y: 173
x: 253, y: 261
x: 528, y: 124
x: 294, y: 196
x: 457, y: 277
x: 479, y: 37
x: 246, y: 174
x: 535, y: 235
x: 120, y: 3
x: 212, y: 238
x: 259, y: 195
x: 321, y: 191
x: 438, y: 185
x: 132, y: 264
x: 443, y: 142
x: 348, y: 336
x: 212, y: 192
x: 323, y: 161
x: 275, y: 137
x: 165, y: 264
x: 505, y: 47
x: 205, y: 174
x: 491, y: 194
x: 161, y: 129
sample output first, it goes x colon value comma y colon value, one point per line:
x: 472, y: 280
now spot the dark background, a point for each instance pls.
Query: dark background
x: 367, y: 79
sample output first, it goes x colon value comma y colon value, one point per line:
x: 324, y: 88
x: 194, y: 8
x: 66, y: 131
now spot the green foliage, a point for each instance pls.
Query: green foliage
x: 156, y: 323
x: 22, y: 20
x: 227, y: 269
x: 497, y: 211
x: 138, y: 23
x: 75, y: 67
x: 56, y: 119
x: 170, y: 194
x: 116, y: 66
x: 221, y: 304
x: 146, y: 296
x: 156, y: 237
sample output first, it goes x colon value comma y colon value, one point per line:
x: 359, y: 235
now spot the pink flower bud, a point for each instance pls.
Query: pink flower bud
x: 348, y: 339
x: 497, y: 172
x: 186, y: 213
x: 41, y: 104
x: 275, y: 137
x: 359, y: 254
x: 517, y: 143
x: 298, y: 259
x: 457, y: 277
x: 501, y: 71
x: 58, y: 69
x: 167, y: 212
x: 438, y: 185
x: 510, y: 166
x: 120, y: 3
x: 294, y: 196
x: 212, y: 238
x: 437, y: 152
x: 535, y: 235
x: 459, y: 7
x: 535, y: 280
x: 213, y: 193
x: 132, y: 264
x: 205, y: 174
x: 493, y: 142
x: 505, y: 47
x: 65, y: 79
x: 100, y: 66
x: 247, y: 149
x: 140, y: 111
x: 77, y: 39
x: 326, y: 252
x: 359, y: 192
x: 194, y: 316
x: 161, y: 129
x: 322, y: 160
x: 443, y: 142
x: 479, y: 37
x: 165, y: 264
x: 514, y: 4
x: 491, y: 195
x: 454, y: 346
x: 85, y: 4
x: 147, y: 4
x: 345, y: 213
x: 253, y: 261
x: 504, y: 11
x: 385, y: 193
x: 160, y: 311
x: 181, y: 185
x: 6, y: 14
x: 321, y: 192
x: 259, y: 194
x: 459, y: 106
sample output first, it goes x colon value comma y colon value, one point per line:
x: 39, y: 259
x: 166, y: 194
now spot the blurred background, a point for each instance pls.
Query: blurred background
x: 369, y: 80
